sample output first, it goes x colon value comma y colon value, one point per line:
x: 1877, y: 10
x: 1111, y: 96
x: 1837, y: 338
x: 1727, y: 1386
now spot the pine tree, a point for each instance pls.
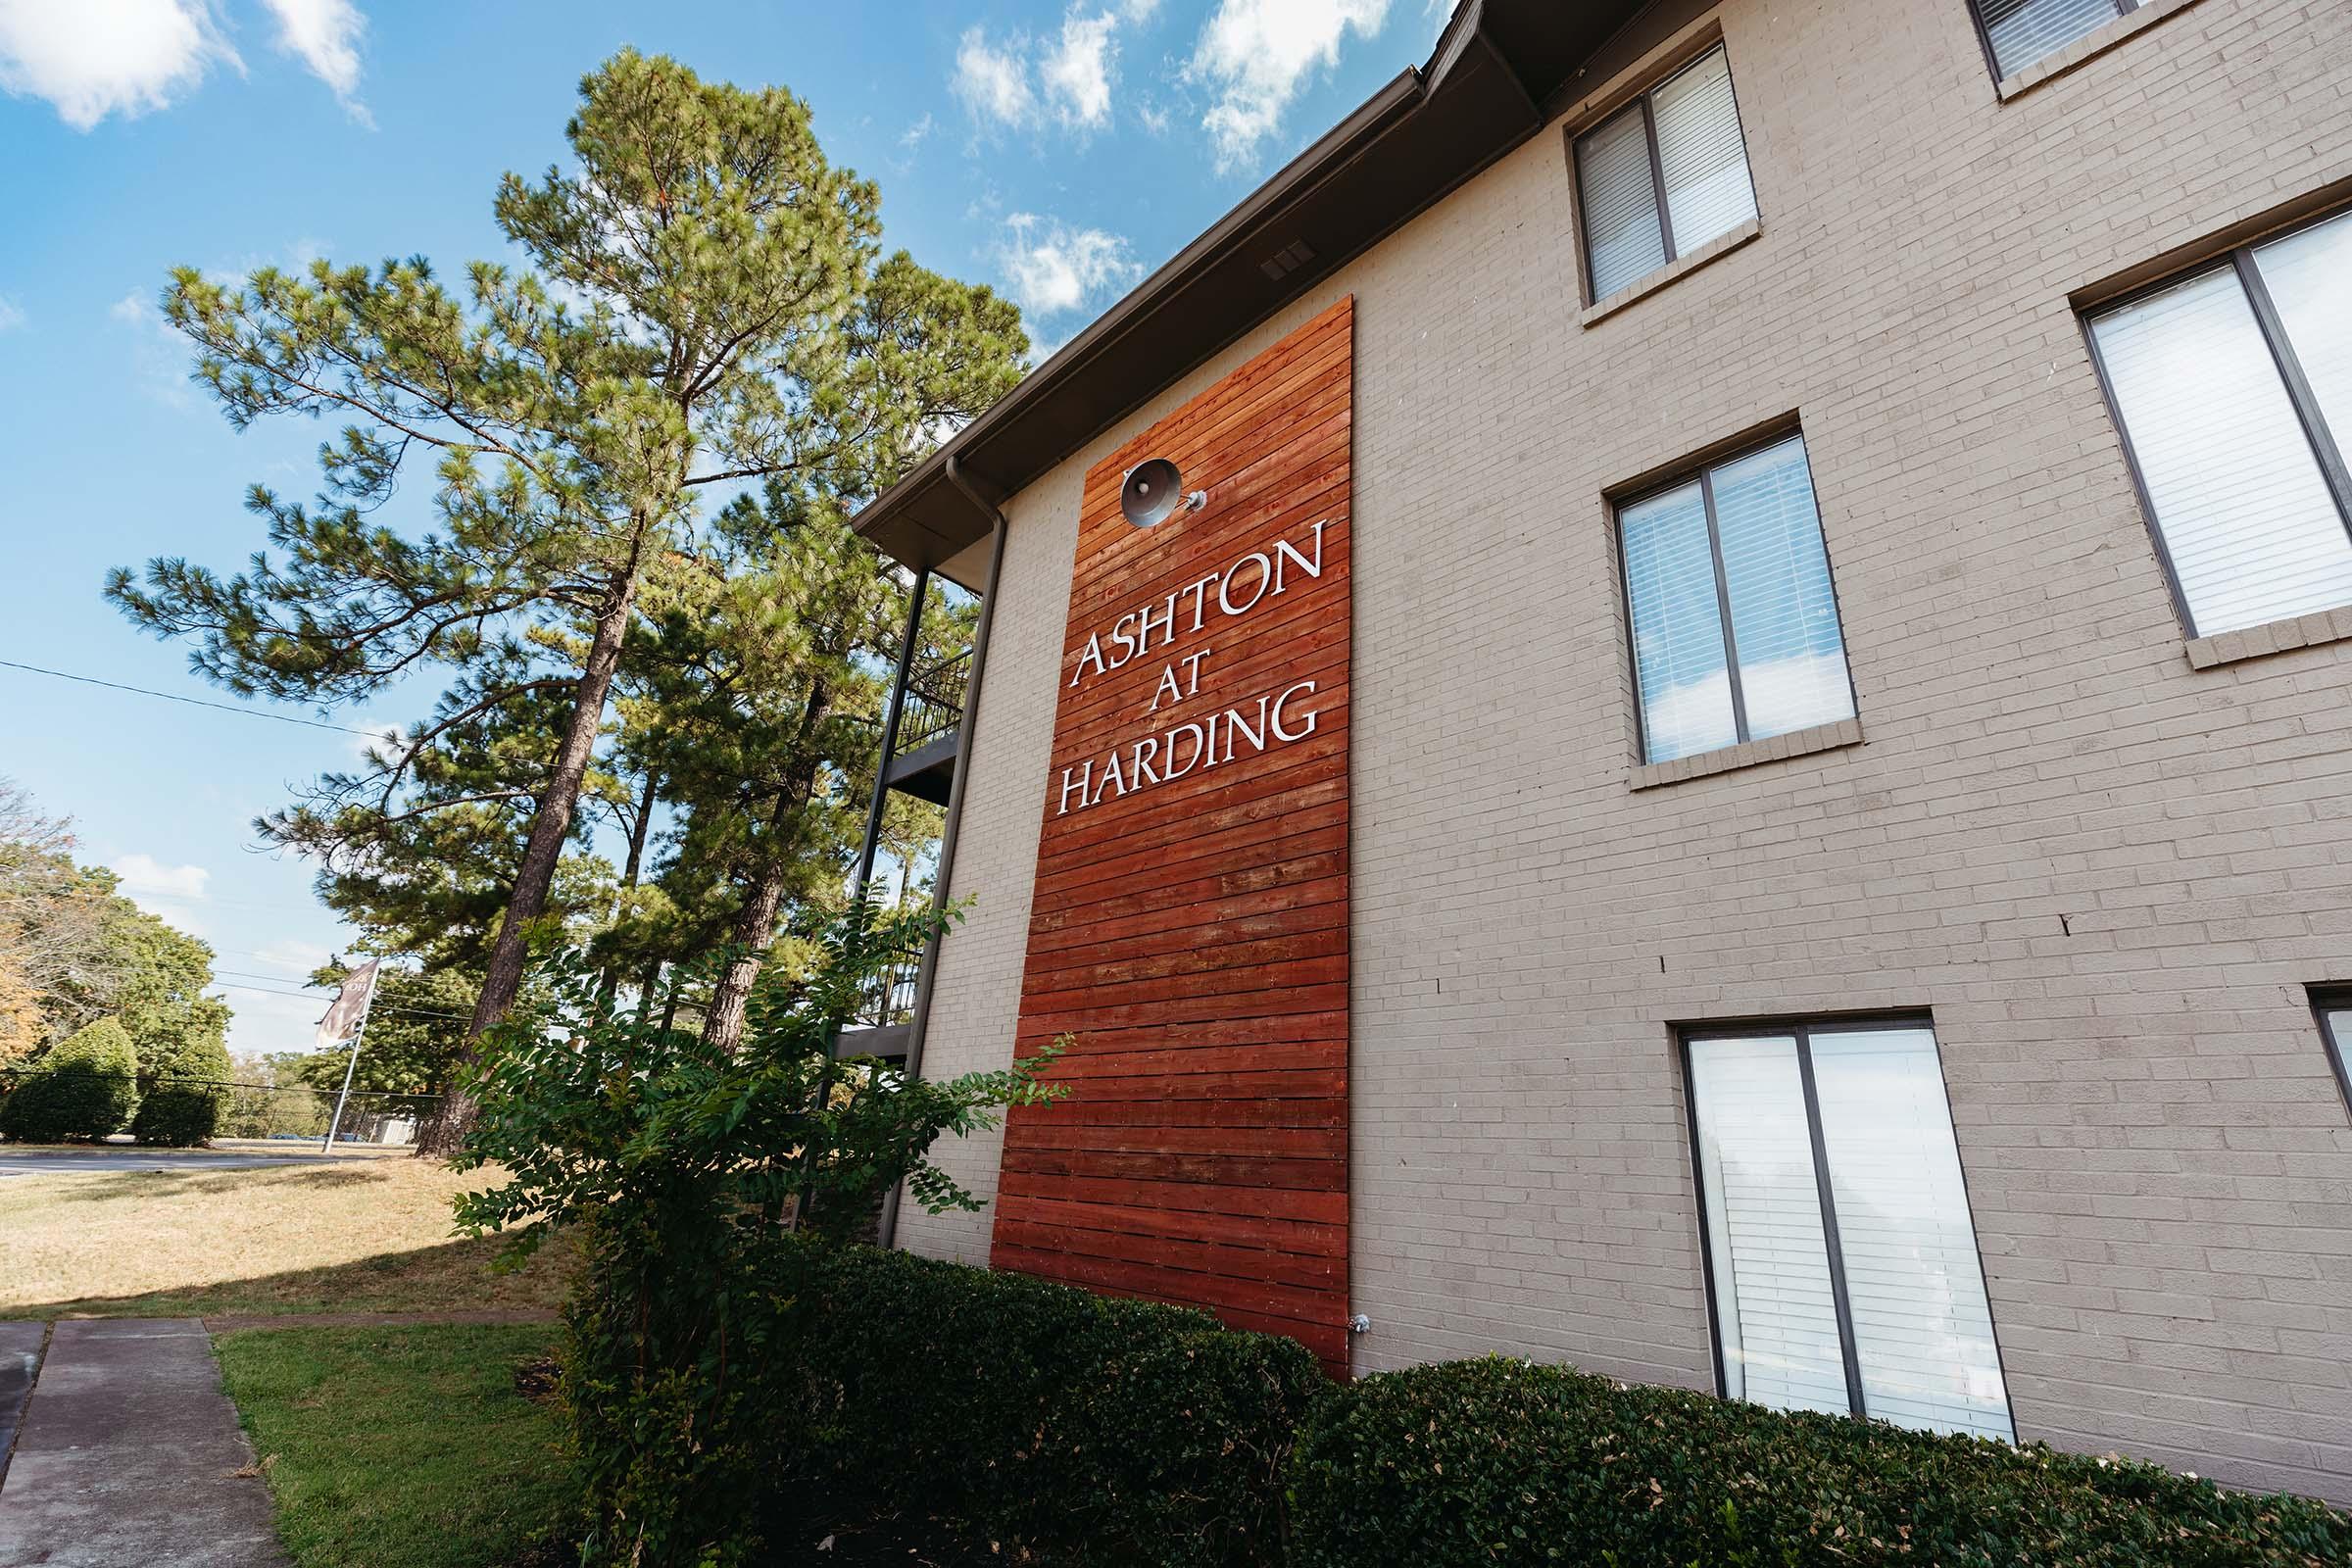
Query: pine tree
x: 706, y: 306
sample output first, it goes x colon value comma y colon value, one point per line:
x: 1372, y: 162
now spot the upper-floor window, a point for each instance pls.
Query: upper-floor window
x: 2234, y: 386
x: 1735, y: 622
x: 1663, y: 175
x: 1841, y: 1256
x: 2021, y: 32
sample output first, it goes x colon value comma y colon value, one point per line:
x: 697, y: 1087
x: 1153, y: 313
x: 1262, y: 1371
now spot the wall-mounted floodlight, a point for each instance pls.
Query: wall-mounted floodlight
x: 1154, y: 492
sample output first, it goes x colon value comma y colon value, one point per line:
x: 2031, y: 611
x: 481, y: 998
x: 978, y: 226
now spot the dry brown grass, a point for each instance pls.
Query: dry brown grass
x: 362, y: 1236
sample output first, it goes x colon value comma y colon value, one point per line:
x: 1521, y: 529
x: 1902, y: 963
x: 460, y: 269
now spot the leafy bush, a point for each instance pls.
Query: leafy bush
x: 1061, y: 1426
x: 684, y: 1167
x: 180, y: 1104
x: 86, y: 1086
x: 1497, y: 1461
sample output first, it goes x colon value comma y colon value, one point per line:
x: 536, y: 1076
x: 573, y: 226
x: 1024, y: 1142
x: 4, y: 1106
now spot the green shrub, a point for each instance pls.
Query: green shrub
x: 1061, y: 1426
x: 86, y: 1086
x: 181, y: 1104
x: 682, y: 1163
x: 1501, y: 1462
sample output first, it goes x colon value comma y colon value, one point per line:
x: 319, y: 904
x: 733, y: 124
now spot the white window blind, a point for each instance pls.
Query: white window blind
x: 2310, y: 280
x: 2335, y: 1023
x: 1915, y: 1317
x: 2253, y: 526
x: 1922, y: 1329
x: 1737, y: 548
x: 1700, y: 154
x: 2021, y: 31
x: 1664, y: 176
x: 1679, y: 661
x: 1775, y: 1314
x: 1622, y: 237
x: 1784, y: 616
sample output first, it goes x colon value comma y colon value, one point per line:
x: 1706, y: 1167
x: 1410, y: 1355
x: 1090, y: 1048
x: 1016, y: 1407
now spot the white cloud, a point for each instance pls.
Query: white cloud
x: 324, y: 36
x: 993, y: 84
x: 298, y: 957
x: 97, y: 57
x: 1019, y: 84
x: 160, y: 889
x: 12, y: 315
x: 155, y: 351
x: 914, y: 135
x: 382, y: 735
x: 1078, y: 73
x: 1052, y: 267
x: 1257, y: 55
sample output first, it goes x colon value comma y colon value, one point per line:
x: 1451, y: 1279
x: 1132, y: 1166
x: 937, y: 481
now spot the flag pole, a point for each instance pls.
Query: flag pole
x: 336, y: 1124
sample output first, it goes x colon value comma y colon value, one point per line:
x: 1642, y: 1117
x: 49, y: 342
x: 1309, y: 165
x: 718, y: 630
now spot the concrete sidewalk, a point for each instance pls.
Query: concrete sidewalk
x: 131, y: 1454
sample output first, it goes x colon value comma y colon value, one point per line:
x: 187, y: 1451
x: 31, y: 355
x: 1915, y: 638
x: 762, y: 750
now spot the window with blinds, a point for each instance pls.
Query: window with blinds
x: 2234, y: 388
x: 2018, y: 32
x: 2335, y: 1008
x: 1663, y: 175
x: 1840, y: 1254
x: 1734, y: 625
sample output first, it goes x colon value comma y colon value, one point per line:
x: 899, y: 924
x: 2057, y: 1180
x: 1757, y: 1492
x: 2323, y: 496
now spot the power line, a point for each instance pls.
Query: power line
x: 313, y: 995
x: 194, y: 702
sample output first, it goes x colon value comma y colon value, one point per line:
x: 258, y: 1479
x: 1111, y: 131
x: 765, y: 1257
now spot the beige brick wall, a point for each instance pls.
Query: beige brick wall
x: 2158, y: 1159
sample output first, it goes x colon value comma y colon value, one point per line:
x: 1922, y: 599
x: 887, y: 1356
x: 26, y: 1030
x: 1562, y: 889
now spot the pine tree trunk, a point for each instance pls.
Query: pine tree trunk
x: 756, y: 922
x: 502, y: 980
x: 755, y: 927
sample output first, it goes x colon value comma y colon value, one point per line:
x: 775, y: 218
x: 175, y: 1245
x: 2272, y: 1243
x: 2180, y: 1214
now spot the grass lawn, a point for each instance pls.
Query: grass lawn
x: 366, y: 1236
x: 402, y: 1447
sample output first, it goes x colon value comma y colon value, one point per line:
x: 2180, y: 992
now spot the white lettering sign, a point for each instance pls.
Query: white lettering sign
x: 1273, y: 718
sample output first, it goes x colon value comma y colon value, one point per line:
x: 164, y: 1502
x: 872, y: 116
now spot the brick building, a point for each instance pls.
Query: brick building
x: 1830, y: 811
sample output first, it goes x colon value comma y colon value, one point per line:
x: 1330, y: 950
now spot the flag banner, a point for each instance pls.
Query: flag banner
x: 342, y: 1020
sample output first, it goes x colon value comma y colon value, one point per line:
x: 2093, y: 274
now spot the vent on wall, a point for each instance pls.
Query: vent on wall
x: 1287, y: 259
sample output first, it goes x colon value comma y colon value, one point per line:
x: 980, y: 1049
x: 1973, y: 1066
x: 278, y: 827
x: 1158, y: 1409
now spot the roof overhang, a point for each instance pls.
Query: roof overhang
x: 1498, y: 67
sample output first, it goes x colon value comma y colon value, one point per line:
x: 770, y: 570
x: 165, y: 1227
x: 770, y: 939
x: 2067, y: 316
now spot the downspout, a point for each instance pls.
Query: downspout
x: 919, y: 1023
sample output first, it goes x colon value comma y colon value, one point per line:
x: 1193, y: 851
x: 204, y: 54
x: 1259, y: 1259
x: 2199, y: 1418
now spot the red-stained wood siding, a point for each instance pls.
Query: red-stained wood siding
x: 1190, y: 936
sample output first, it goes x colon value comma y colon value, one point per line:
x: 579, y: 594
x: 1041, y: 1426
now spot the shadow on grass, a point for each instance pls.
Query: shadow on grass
x: 143, y: 1186
x: 453, y: 1276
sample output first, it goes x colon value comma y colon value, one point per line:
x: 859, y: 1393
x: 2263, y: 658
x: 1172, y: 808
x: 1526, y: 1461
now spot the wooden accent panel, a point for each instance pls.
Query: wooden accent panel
x: 1188, y: 931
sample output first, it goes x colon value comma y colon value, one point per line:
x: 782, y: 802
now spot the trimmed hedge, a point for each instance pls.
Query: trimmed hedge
x: 1497, y: 1461
x: 86, y: 1086
x: 1040, y: 1422
x: 182, y: 1100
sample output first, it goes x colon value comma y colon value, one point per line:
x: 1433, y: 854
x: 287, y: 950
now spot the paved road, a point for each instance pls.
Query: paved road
x: 67, y: 1161
x: 131, y: 1454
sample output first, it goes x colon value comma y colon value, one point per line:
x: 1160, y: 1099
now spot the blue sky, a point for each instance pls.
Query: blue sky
x: 1059, y: 151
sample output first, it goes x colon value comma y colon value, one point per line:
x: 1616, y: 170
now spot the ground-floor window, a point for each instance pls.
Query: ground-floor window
x: 1840, y: 1256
